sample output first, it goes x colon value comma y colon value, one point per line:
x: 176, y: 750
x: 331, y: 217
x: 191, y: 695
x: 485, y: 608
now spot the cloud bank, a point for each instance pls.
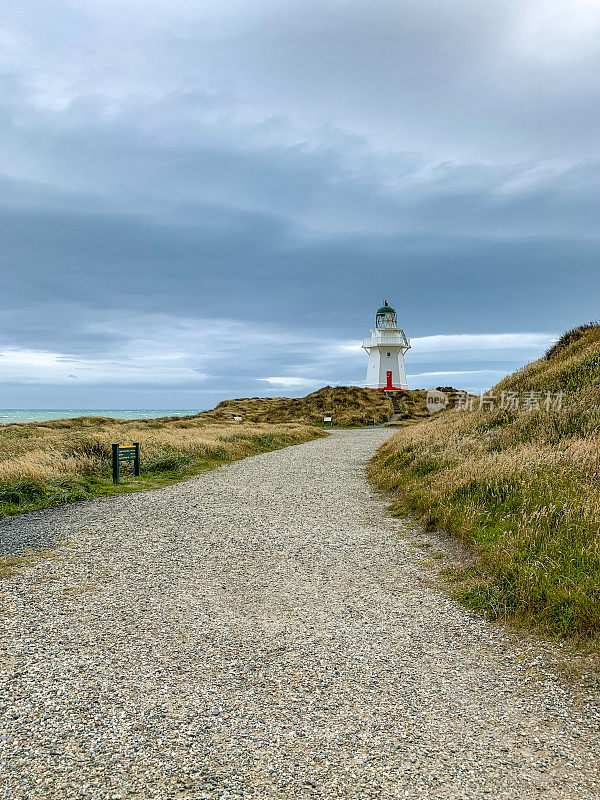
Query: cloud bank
x: 196, y: 196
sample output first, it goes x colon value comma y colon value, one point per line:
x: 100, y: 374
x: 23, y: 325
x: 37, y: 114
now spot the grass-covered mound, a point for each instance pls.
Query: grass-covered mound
x: 348, y: 406
x: 49, y: 463
x: 520, y: 486
x: 413, y: 406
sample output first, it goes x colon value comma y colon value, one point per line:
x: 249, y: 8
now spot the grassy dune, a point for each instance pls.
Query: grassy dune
x: 412, y: 406
x: 522, y: 487
x: 44, y: 464
x: 349, y: 406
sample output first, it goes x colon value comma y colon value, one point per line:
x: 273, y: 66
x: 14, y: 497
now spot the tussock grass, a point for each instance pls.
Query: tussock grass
x: 413, y: 405
x: 521, y: 487
x: 349, y: 406
x: 46, y: 464
x: 49, y: 463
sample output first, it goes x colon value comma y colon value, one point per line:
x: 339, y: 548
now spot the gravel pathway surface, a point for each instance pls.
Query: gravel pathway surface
x: 266, y: 631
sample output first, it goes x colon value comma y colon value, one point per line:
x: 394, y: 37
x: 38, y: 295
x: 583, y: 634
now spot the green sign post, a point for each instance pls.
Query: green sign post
x: 123, y: 454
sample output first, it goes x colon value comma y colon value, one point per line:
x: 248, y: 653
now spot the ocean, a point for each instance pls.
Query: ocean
x: 45, y: 414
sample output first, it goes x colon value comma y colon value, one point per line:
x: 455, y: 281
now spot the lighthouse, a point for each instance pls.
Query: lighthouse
x: 386, y: 348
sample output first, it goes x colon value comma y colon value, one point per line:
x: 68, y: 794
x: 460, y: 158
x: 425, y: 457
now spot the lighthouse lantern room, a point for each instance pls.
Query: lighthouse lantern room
x: 386, y: 348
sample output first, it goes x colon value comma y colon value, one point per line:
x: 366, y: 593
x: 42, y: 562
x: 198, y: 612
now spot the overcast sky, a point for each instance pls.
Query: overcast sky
x: 201, y: 200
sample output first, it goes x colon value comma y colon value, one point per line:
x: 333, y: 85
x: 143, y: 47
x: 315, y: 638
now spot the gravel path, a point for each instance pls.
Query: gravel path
x: 264, y: 631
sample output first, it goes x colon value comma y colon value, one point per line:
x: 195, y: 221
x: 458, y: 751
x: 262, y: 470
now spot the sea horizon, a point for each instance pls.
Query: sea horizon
x: 12, y: 415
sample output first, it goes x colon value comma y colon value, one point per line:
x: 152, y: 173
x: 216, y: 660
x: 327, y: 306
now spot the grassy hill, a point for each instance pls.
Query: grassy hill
x: 348, y: 406
x: 521, y: 486
x: 412, y: 406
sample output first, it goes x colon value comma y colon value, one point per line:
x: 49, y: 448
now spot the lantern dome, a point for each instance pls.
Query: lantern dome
x: 386, y: 317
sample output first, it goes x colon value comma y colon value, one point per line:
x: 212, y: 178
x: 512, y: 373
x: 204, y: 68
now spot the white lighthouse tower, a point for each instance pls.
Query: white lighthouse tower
x: 386, y: 349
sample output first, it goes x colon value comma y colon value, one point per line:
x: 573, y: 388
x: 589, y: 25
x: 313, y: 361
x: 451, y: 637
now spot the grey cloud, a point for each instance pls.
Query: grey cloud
x: 285, y: 167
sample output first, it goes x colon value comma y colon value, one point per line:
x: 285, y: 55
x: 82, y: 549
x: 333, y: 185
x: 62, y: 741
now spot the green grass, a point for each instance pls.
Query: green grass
x: 164, y: 462
x: 521, y: 488
x: 32, y: 495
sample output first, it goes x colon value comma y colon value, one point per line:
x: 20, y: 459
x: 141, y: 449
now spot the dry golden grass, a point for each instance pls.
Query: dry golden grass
x: 521, y: 487
x: 349, y: 406
x: 61, y: 461
x: 413, y: 405
x: 48, y: 463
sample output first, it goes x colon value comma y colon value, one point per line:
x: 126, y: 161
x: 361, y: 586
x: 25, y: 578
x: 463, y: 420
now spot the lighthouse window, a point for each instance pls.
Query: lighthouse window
x: 389, y: 354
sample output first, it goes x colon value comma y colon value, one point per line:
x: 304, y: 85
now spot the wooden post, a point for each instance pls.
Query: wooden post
x: 136, y: 460
x: 115, y: 464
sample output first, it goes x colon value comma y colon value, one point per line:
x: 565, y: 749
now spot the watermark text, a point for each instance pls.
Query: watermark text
x: 509, y: 401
